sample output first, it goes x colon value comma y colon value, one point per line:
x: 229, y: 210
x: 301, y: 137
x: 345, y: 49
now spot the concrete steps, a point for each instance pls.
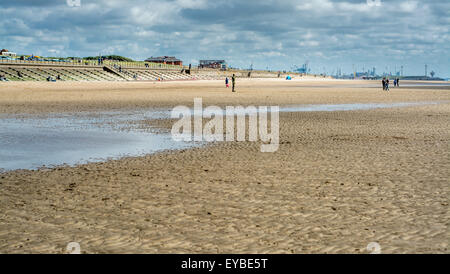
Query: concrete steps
x: 107, y: 73
x: 49, y: 72
x: 26, y: 76
x: 10, y: 75
x: 37, y: 74
x: 64, y: 75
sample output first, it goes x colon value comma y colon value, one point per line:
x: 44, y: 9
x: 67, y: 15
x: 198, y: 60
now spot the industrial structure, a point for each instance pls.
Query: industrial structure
x: 304, y: 69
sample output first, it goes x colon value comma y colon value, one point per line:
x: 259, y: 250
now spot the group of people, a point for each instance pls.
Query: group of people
x: 233, y: 83
x: 51, y: 79
x: 396, y: 82
x: 385, y: 82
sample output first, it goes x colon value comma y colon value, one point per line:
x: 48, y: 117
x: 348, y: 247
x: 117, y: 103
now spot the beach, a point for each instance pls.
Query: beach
x: 339, y: 181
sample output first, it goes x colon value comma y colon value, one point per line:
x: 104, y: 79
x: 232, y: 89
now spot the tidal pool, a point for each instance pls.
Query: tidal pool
x: 30, y: 143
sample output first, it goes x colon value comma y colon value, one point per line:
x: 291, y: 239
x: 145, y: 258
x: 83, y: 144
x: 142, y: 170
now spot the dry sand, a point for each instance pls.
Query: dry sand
x: 339, y: 181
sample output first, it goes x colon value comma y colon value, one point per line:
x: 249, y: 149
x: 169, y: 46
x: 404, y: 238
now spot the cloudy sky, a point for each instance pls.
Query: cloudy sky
x: 274, y: 34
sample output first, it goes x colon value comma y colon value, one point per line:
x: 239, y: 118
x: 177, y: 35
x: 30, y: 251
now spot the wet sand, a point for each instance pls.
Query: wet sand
x: 339, y: 181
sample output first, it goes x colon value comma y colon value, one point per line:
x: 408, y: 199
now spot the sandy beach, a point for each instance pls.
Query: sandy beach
x: 339, y: 181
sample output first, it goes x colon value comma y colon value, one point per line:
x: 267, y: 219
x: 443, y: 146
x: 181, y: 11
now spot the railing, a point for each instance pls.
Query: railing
x: 71, y: 63
x: 94, y: 63
x: 140, y: 64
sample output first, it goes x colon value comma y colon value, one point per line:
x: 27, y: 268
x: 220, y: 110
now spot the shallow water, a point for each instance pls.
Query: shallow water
x: 332, y: 107
x: 349, y: 107
x: 405, y: 84
x: 29, y: 142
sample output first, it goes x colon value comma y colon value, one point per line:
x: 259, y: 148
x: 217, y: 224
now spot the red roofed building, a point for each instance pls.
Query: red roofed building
x: 5, y: 52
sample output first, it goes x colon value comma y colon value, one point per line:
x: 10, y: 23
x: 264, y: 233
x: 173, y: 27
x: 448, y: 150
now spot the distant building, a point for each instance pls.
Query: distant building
x: 215, y: 64
x: 169, y: 60
x: 5, y: 52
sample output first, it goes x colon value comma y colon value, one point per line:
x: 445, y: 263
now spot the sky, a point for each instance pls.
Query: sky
x: 270, y: 34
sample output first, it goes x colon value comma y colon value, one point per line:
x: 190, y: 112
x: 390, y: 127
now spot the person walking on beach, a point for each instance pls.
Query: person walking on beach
x: 233, y: 83
x: 227, y: 84
x: 395, y: 82
x: 387, y: 84
x: 398, y: 82
x: 384, y: 83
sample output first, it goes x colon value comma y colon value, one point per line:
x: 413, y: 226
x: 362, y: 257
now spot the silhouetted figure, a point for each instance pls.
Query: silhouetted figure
x: 384, y: 83
x: 233, y: 83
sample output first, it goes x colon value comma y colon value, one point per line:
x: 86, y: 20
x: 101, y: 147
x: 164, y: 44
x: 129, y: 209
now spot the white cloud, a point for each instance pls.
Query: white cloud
x: 318, y: 5
x: 192, y: 4
x: 408, y: 6
x: 272, y: 53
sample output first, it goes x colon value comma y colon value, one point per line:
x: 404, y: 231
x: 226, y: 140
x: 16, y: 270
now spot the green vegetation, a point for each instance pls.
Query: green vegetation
x: 110, y: 57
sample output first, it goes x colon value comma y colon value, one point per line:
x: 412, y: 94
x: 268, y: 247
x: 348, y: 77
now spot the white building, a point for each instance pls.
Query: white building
x: 5, y: 52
